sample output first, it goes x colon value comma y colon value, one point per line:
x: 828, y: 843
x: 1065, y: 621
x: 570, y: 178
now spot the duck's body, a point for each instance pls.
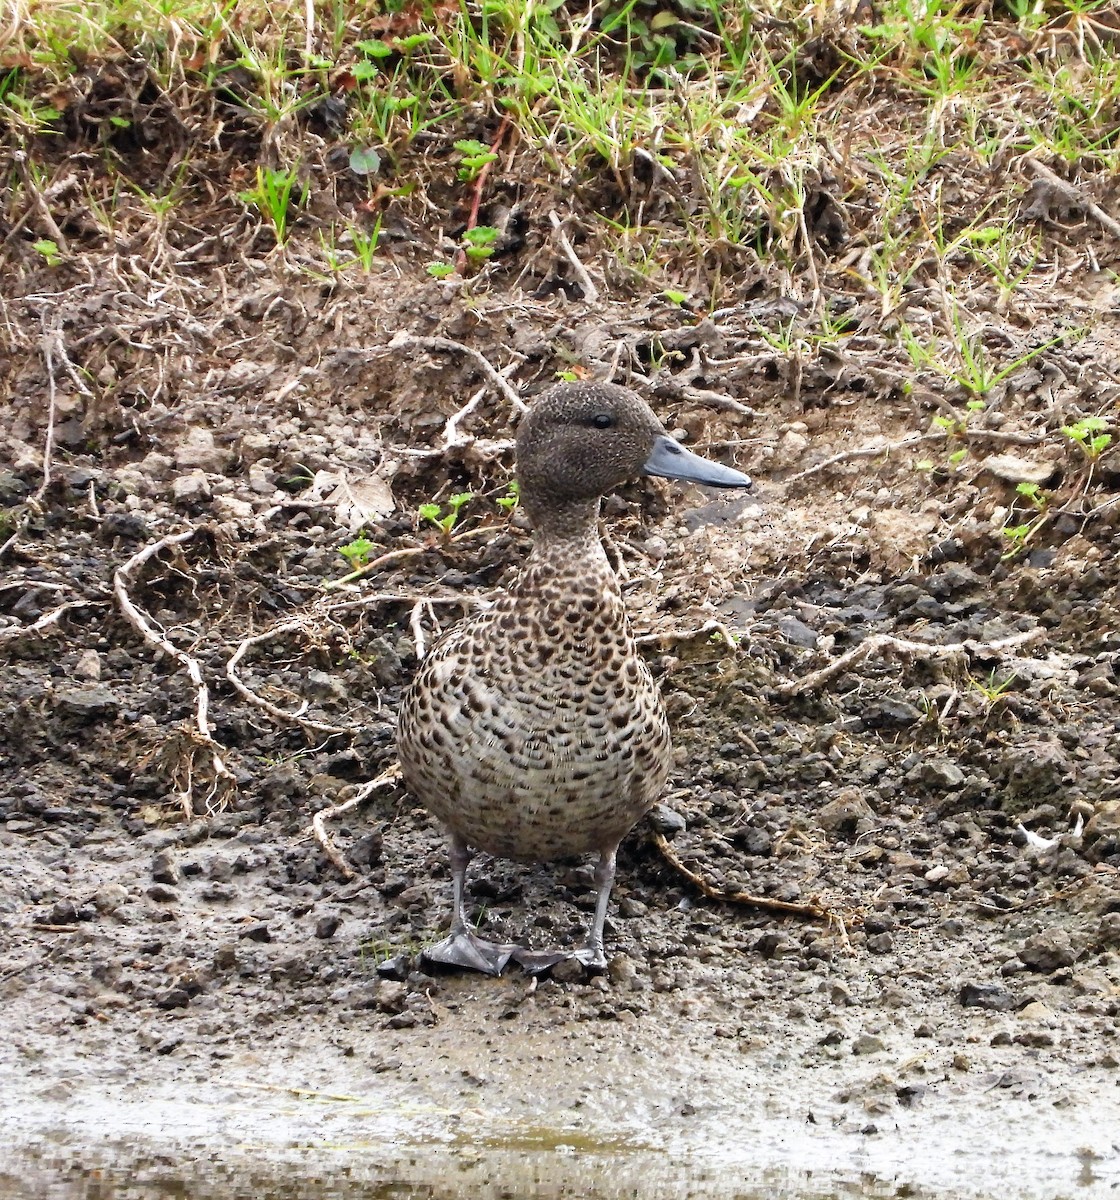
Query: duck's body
x: 534, y: 730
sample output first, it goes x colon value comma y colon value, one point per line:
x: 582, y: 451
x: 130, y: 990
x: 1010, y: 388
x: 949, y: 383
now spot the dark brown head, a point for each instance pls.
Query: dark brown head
x: 579, y: 441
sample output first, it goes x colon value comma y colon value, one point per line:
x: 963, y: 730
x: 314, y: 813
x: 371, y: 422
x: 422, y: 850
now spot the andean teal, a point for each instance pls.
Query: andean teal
x: 533, y: 729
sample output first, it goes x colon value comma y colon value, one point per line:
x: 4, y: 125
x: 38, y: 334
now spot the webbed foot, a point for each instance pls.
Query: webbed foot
x: 537, y: 962
x: 470, y: 952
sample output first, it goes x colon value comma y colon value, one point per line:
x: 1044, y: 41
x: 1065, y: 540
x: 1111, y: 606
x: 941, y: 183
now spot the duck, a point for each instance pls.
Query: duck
x: 533, y: 729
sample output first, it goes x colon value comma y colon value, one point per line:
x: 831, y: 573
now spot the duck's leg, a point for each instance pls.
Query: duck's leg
x: 463, y: 947
x: 592, y: 954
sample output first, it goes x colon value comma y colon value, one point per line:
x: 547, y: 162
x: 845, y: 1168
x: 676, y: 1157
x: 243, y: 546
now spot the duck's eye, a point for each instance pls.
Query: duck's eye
x: 602, y: 420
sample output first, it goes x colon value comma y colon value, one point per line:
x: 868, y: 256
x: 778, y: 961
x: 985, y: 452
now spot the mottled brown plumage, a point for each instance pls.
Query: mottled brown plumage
x: 533, y: 729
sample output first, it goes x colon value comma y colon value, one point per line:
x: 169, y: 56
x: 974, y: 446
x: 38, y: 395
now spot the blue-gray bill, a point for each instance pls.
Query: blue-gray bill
x: 671, y: 460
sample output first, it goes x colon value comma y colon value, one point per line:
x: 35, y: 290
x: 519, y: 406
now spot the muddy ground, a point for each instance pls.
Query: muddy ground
x: 172, y: 980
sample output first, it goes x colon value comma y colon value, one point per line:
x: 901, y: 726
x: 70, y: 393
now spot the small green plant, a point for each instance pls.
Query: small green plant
x: 992, y: 688
x: 273, y: 195
x: 49, y: 250
x: 512, y: 498
x: 1018, y: 536
x: 473, y: 157
x: 357, y: 552
x: 440, y: 270
x: 1089, y: 434
x: 479, y: 242
x: 677, y: 298
x: 445, y: 520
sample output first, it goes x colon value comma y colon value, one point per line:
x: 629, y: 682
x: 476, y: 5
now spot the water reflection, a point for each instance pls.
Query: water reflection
x: 541, y: 1166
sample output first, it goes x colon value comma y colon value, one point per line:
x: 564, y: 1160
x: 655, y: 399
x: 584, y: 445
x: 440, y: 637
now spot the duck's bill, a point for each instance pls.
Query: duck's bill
x: 671, y: 460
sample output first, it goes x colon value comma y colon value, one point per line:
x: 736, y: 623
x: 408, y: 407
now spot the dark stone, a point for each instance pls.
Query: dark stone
x: 12, y: 489
x: 665, y: 821
x: 258, y: 932
x: 797, y: 632
x: 987, y: 995
x: 394, y: 968
x: 175, y: 997
x: 129, y: 527
x: 162, y: 894
x: 366, y: 850
x: 326, y: 927
x: 88, y: 703
x: 890, y: 713
x: 1049, y: 950
x: 164, y: 868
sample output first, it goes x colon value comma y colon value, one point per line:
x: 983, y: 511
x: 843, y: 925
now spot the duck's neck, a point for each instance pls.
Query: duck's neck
x: 567, y: 549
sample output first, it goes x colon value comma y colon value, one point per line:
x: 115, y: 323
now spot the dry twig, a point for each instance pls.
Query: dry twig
x: 403, y: 340
x: 320, y: 819
x: 879, y: 643
x: 732, y: 895
x: 201, y: 739
x: 44, y: 622
x: 1075, y: 196
x: 590, y: 291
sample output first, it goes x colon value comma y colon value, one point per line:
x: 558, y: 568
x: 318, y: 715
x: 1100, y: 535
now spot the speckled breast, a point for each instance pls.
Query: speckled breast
x: 534, y: 730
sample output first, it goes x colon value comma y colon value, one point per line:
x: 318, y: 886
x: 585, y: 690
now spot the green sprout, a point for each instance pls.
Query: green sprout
x: 357, y: 552
x: 510, y: 500
x: 440, y: 270
x: 474, y: 156
x: 1088, y: 433
x: 445, y: 520
x: 49, y: 250
x: 478, y: 243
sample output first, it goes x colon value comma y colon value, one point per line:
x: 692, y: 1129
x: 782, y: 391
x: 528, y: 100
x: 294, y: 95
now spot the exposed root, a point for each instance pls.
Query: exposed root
x: 44, y: 622
x: 885, y: 643
x: 1075, y: 196
x: 402, y: 341
x: 320, y: 819
x: 398, y: 556
x: 198, y: 741
x: 298, y: 624
x: 590, y: 291
x: 811, y: 909
x: 686, y: 635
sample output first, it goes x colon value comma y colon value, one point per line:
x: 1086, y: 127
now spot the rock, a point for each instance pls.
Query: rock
x: 157, y: 466
x: 890, y: 713
x: 1108, y: 934
x: 665, y: 821
x: 225, y: 957
x: 1049, y: 950
x: 394, y: 968
x: 569, y: 970
x: 937, y: 773
x: 365, y: 851
x: 1105, y: 822
x: 191, y: 488
x: 391, y: 996
x: 199, y: 451
x: 868, y: 1043
x: 937, y: 874
x: 109, y: 897
x: 797, y: 632
x: 1013, y: 469
x: 629, y: 908
x: 230, y: 508
x: 842, y: 813
x: 991, y: 996
x: 129, y: 527
x: 258, y: 932
x: 13, y: 490
x: 88, y: 666
x: 326, y: 927
x: 164, y: 868
x: 162, y: 894
x: 175, y: 997
x: 88, y: 703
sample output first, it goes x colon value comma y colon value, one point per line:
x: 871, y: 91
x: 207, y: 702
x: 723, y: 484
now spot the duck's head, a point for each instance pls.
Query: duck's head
x: 579, y: 441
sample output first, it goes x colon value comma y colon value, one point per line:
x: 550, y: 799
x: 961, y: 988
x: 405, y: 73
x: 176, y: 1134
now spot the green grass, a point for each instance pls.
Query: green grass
x: 697, y: 136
